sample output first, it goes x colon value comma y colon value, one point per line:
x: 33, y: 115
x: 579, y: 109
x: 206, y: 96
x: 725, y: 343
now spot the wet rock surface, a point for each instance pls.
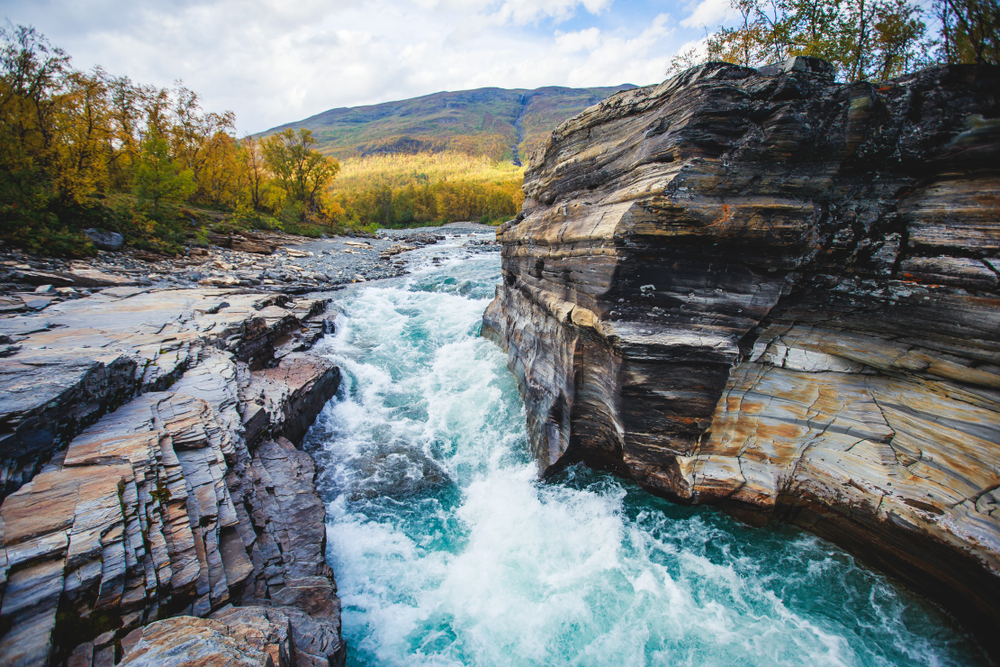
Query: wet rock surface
x: 777, y: 293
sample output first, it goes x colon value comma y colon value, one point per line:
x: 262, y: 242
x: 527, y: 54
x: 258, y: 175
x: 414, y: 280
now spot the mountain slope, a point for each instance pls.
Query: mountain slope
x: 500, y: 123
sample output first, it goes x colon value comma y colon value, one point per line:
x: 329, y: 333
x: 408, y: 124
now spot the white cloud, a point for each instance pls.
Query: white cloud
x: 584, y: 40
x: 709, y: 14
x: 523, y: 12
x: 274, y: 62
x: 640, y: 57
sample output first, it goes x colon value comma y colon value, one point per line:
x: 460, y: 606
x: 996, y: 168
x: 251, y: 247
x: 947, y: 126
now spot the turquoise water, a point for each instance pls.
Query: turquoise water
x: 449, y: 551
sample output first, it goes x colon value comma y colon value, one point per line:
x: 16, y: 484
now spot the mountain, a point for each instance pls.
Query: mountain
x: 501, y: 123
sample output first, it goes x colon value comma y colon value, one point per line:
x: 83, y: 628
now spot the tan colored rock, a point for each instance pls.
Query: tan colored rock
x: 88, y: 356
x: 64, y: 534
x: 266, y: 629
x: 88, y: 277
x: 186, y: 641
x: 151, y: 510
x: 256, y: 246
x: 290, y: 395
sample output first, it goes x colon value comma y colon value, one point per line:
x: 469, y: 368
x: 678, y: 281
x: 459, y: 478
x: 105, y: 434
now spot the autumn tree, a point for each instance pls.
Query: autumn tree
x: 867, y: 40
x: 203, y: 144
x: 970, y: 31
x: 299, y: 170
x: 80, y: 148
x: 31, y: 82
x: 254, y: 172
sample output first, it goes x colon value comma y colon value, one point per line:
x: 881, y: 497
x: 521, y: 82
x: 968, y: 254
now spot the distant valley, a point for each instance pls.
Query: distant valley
x: 498, y: 123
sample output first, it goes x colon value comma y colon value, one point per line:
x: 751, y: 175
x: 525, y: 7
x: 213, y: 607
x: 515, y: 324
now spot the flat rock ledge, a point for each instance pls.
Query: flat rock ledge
x: 777, y: 293
x: 151, y: 478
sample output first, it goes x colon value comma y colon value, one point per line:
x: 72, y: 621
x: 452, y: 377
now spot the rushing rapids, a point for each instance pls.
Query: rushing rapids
x: 449, y: 550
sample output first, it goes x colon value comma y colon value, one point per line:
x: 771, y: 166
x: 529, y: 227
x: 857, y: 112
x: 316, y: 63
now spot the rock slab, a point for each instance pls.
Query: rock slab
x: 134, y: 494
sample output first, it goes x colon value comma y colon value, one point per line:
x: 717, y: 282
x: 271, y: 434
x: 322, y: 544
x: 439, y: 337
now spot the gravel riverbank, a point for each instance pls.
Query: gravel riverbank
x: 259, y: 260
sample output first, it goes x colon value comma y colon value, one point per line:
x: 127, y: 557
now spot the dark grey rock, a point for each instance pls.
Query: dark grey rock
x: 105, y: 240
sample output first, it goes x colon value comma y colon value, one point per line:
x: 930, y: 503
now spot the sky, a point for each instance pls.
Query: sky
x: 279, y: 61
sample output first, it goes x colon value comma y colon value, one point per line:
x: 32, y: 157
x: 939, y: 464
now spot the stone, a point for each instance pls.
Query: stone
x: 87, y: 277
x: 290, y: 395
x: 11, y: 305
x: 133, y: 491
x: 396, y: 469
x: 805, y: 64
x: 256, y: 246
x: 37, y: 304
x: 776, y: 293
x: 186, y: 641
x: 105, y: 240
x: 44, y: 278
x: 266, y: 629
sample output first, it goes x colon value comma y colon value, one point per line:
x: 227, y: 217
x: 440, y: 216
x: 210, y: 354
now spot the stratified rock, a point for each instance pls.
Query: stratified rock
x: 162, y: 506
x: 284, y: 400
x: 85, y: 357
x: 186, y: 641
x: 11, y: 305
x: 255, y: 245
x: 43, y: 278
x: 266, y: 629
x: 289, y: 554
x: 778, y: 293
x: 105, y: 240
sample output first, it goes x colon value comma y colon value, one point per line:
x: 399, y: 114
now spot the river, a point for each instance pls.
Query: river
x: 448, y: 549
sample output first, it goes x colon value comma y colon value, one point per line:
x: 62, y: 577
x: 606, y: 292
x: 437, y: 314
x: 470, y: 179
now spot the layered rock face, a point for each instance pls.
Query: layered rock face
x: 151, y: 472
x: 778, y: 293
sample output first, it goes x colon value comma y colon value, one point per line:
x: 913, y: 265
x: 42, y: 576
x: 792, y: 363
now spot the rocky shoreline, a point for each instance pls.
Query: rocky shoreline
x: 155, y: 502
x: 779, y: 294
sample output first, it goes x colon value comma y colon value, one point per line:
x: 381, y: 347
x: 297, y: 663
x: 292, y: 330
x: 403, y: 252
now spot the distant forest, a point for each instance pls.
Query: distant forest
x: 90, y: 149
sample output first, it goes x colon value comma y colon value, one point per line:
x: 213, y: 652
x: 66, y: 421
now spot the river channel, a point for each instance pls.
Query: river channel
x: 449, y: 550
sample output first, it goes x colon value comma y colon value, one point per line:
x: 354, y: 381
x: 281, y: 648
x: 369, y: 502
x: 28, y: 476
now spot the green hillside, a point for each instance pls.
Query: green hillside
x: 499, y: 123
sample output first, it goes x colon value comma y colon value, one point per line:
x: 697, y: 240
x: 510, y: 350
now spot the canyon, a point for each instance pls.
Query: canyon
x: 779, y: 294
x: 758, y: 289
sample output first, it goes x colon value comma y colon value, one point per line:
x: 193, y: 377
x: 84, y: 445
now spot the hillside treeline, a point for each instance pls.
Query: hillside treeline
x: 90, y: 149
x: 396, y: 190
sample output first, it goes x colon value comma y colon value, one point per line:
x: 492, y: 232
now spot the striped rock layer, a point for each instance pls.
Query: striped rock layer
x: 148, y: 456
x: 777, y: 293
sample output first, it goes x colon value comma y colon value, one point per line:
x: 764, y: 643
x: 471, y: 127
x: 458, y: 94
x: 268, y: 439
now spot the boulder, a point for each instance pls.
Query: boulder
x: 186, y: 641
x: 105, y: 240
x: 254, y: 245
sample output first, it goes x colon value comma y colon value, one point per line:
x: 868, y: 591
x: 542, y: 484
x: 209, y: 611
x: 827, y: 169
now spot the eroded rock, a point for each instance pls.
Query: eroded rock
x: 186, y: 641
x: 136, y: 494
x: 777, y: 293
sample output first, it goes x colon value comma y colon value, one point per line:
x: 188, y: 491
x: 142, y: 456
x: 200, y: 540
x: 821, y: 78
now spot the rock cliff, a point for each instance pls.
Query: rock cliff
x: 146, y: 444
x: 778, y: 293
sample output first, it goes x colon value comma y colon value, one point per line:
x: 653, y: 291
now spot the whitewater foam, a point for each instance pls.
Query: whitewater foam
x: 449, y: 550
